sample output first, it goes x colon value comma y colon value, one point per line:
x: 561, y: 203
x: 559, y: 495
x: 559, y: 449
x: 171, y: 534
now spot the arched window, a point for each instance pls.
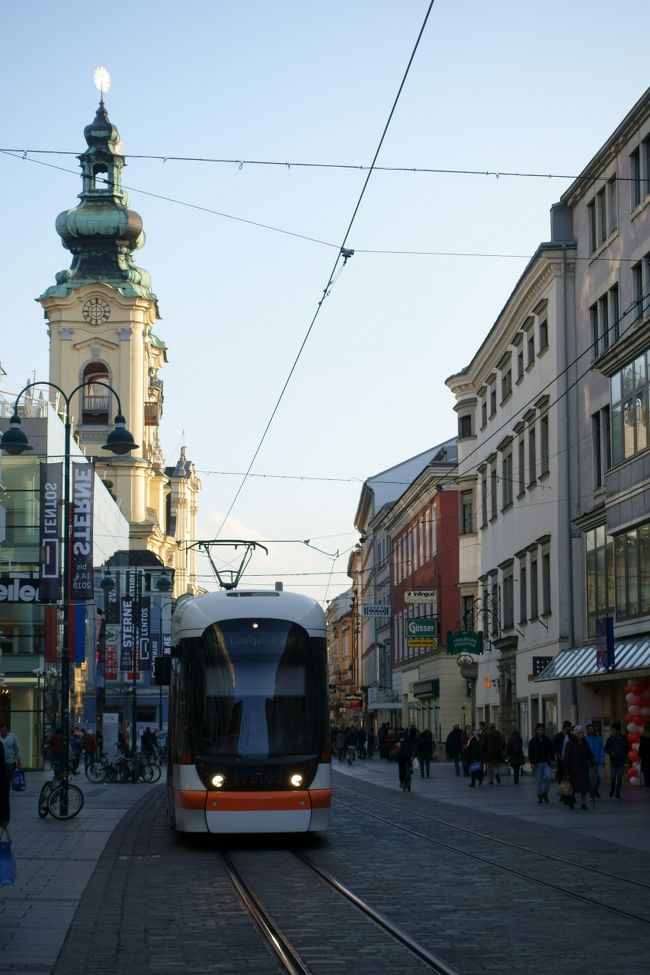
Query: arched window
x: 96, y: 398
x: 100, y: 177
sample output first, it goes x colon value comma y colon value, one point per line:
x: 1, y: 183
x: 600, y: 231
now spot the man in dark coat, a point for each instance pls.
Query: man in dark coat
x: 578, y: 763
x: 492, y: 745
x: 453, y: 747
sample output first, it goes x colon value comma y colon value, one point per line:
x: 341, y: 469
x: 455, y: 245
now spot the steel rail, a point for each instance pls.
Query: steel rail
x: 281, y: 947
x: 435, y: 963
x: 499, y: 866
x: 496, y: 839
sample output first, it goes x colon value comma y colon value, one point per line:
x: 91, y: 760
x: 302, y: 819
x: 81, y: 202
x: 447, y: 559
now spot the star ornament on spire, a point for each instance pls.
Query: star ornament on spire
x: 102, y: 81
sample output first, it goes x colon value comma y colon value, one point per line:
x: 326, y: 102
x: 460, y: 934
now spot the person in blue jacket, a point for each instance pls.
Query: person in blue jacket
x: 597, y: 749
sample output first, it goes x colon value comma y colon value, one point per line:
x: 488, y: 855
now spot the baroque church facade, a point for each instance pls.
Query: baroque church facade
x: 101, y: 315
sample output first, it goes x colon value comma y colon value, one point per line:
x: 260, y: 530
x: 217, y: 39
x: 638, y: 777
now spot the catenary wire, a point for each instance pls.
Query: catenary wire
x: 339, y: 255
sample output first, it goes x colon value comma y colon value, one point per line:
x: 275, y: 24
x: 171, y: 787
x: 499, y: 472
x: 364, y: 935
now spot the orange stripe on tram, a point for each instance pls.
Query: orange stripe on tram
x: 321, y: 798
x: 257, y: 801
x: 190, y: 798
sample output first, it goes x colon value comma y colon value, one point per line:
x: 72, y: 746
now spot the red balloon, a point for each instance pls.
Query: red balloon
x: 633, y: 756
x: 630, y: 718
x: 634, y: 736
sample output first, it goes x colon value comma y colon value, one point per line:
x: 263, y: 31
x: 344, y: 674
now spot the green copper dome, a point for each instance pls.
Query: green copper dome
x: 102, y: 233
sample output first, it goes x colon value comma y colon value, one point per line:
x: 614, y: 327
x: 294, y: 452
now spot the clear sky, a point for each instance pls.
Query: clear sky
x: 513, y: 85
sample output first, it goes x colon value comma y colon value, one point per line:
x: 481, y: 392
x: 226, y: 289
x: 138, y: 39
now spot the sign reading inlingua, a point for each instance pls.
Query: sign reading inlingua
x: 464, y: 641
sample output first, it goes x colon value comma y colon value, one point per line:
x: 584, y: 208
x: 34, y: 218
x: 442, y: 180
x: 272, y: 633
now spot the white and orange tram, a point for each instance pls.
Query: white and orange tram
x: 249, y: 740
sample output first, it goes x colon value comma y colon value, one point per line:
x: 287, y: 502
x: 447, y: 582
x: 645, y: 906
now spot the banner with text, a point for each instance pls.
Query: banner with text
x: 81, y: 540
x: 51, y: 498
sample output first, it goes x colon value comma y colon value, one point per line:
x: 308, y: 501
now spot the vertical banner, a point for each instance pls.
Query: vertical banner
x: 111, y: 652
x: 81, y: 537
x: 128, y: 635
x: 144, y: 651
x: 77, y: 633
x: 51, y: 502
x: 112, y: 603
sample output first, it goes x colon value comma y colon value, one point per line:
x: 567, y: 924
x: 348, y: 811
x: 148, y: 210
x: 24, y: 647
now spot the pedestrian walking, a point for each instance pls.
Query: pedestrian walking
x: 406, y: 752
x: 491, y: 749
x: 424, y: 752
x: 515, y: 754
x: 465, y: 736
x: 597, y: 750
x: 11, y: 748
x: 350, y: 745
x: 5, y: 784
x: 474, y: 760
x: 89, y: 748
x: 370, y: 744
x: 644, y: 754
x: 540, y: 756
x: 616, y: 748
x: 453, y: 747
x: 560, y: 742
x: 578, y: 764
x: 75, y: 752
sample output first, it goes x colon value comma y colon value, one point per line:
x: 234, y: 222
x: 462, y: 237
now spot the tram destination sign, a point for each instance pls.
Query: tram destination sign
x: 375, y: 610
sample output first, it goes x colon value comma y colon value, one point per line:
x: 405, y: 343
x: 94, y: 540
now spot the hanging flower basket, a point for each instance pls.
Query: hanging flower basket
x: 468, y: 667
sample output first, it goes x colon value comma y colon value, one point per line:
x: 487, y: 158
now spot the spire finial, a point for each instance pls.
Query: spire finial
x: 102, y: 81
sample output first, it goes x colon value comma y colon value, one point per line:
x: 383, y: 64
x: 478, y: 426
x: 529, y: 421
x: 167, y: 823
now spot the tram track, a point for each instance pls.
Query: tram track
x: 283, y: 948
x: 557, y: 888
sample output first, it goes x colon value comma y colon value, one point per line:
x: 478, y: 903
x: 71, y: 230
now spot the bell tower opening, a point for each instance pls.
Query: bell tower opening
x: 95, y: 404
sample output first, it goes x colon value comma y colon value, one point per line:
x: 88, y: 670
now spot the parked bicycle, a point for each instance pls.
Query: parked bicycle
x: 59, y: 797
x: 123, y: 769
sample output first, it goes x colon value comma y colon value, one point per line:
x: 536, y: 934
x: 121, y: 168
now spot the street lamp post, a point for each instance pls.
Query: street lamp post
x: 14, y: 441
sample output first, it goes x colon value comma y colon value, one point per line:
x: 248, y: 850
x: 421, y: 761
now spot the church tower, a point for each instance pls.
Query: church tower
x: 101, y: 314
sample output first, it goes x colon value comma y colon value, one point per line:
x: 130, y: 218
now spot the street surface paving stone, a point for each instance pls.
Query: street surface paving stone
x: 115, y: 892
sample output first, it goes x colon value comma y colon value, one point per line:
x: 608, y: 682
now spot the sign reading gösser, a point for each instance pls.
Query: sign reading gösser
x: 422, y: 633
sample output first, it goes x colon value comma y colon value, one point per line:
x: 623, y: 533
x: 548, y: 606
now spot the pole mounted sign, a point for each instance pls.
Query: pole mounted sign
x: 375, y: 610
x: 464, y: 642
x: 422, y: 633
x: 421, y: 596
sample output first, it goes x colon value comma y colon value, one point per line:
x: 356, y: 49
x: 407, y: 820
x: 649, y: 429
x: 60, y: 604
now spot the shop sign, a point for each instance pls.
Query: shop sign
x: 464, y: 641
x: 19, y: 587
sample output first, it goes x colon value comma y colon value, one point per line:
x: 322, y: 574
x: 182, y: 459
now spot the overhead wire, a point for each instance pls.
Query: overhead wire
x: 339, y: 256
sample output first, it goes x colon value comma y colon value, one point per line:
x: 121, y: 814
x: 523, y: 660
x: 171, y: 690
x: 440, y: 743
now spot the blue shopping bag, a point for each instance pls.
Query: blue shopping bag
x: 7, y: 859
x: 18, y: 783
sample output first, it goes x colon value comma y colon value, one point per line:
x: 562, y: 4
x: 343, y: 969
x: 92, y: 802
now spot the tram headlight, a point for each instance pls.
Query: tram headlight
x: 218, y: 781
x: 296, y: 780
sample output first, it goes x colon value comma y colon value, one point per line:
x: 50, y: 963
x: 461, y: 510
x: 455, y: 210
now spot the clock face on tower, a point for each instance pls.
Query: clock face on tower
x: 96, y: 311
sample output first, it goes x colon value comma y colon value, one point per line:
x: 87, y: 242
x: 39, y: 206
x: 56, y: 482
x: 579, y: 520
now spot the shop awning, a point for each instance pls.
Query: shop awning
x: 581, y: 661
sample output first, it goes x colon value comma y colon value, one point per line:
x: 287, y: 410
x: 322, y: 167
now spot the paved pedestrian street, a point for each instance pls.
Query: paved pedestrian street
x: 462, y: 871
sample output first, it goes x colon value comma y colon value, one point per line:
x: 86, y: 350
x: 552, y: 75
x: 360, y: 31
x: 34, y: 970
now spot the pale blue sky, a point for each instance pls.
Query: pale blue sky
x: 519, y: 86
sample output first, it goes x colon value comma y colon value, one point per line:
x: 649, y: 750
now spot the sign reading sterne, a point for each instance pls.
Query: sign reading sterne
x: 374, y: 609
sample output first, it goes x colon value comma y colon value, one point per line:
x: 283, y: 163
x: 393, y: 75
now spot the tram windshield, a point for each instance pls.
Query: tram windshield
x: 259, y: 691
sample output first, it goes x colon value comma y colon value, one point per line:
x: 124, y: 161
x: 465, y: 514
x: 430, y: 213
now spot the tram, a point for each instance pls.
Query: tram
x: 249, y: 742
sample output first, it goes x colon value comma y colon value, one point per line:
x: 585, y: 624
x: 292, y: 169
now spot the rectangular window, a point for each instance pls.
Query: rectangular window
x: 506, y: 385
x: 544, y: 455
x: 484, y: 499
x: 522, y: 465
x: 467, y: 613
x: 530, y: 345
x: 629, y: 390
x: 493, y: 400
x: 523, y: 595
x: 483, y: 412
x: 465, y: 426
x: 546, y: 584
x: 635, y: 178
x: 599, y: 549
x: 534, y: 611
x: 604, y: 322
x: 543, y: 334
x: 520, y: 364
x: 493, y: 490
x: 602, y: 215
x: 508, y: 608
x: 506, y: 469
x: 466, y: 512
x: 532, y: 457
x: 632, y: 568
x: 596, y: 449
